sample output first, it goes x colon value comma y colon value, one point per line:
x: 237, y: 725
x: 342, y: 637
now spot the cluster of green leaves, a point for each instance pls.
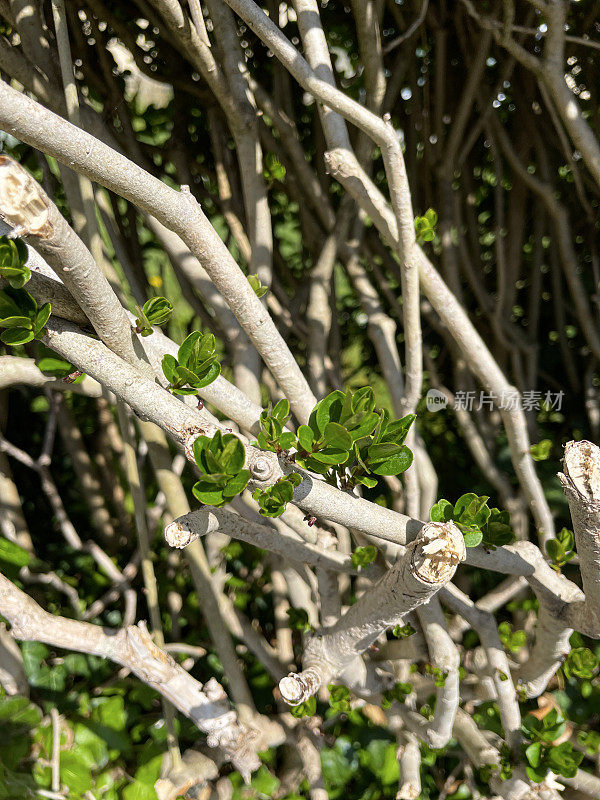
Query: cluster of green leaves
x: 349, y: 441
x: 363, y: 556
x: 403, y: 631
x: 506, y: 766
x: 425, y: 226
x: 156, y: 311
x: 439, y: 676
x: 20, y: 315
x: 479, y: 523
x: 298, y: 620
x: 306, y: 709
x: 272, y: 436
x: 398, y: 693
x: 13, y: 257
x: 257, y: 287
x: 221, y: 461
x: 512, y: 640
x: 580, y: 663
x: 590, y: 740
x: 196, y: 364
x: 339, y: 698
x: 542, y: 755
x: 273, y: 500
x: 561, y: 549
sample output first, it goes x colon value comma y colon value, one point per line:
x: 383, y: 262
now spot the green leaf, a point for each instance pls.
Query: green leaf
x: 157, y: 310
x: 306, y: 709
x: 471, y: 509
x: 74, y: 772
x: 298, y: 620
x: 237, y: 484
x: 281, y: 410
x: 257, y: 286
x: 442, y: 511
x: 305, y: 437
x: 287, y: 440
x: 183, y: 390
x: 169, y: 367
x: 207, y: 494
x: 362, y: 556
x: 264, y: 782
x: 42, y: 318
x: 542, y: 450
x: 55, y: 366
x: 533, y: 754
x: 564, y: 760
x: 16, y: 322
x: 370, y: 483
x: 189, y: 350
x: 339, y: 698
x: 331, y: 455
x: 536, y: 774
x: 328, y: 410
x: 13, y: 554
x: 233, y: 455
x: 403, y: 631
x: 363, y: 399
x: 337, y: 436
x: 364, y: 424
x: 566, y: 538
x: 472, y: 537
x: 16, y: 336
x: 382, y: 452
x: 395, y: 465
x: 397, y: 431
x: 16, y: 276
x: 209, y: 375
x: 581, y: 662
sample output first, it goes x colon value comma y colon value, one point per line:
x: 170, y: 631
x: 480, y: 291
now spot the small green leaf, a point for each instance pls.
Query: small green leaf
x: 16, y: 336
x: 207, y: 494
x: 331, y: 455
x: 328, y: 410
x: 442, y: 511
x: 281, y: 411
x: 209, y: 376
x: 185, y: 350
x: 257, y: 286
x: 306, y: 709
x: 157, y: 310
x: 395, y: 465
x: 13, y: 554
x: 16, y: 322
x: 169, y: 367
x: 42, y: 318
x: 237, y: 484
x: 233, y: 455
x: 542, y: 450
x: 472, y: 537
x: 298, y: 620
x: 581, y: 662
x: 305, y: 437
x: 337, y: 436
x: 287, y: 440
x: 363, y: 556
x: 533, y: 754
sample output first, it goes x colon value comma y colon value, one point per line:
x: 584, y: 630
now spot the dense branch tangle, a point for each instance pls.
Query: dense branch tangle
x: 279, y: 162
